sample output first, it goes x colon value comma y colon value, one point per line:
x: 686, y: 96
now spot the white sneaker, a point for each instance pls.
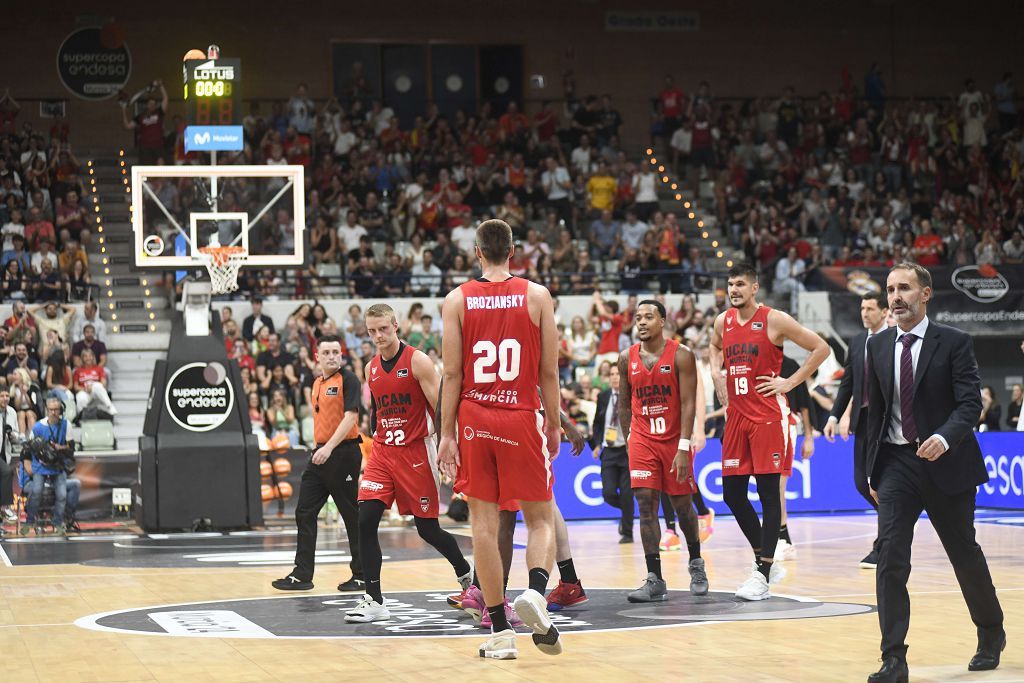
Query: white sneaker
x: 785, y: 552
x: 532, y: 608
x: 754, y: 588
x: 367, y: 610
x: 778, y: 572
x: 501, y: 645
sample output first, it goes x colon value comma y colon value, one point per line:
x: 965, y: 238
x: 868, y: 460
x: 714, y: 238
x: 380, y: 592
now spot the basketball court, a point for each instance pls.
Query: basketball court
x: 171, y: 607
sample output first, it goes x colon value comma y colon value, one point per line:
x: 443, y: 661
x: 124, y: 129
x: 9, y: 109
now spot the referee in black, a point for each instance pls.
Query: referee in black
x: 333, y: 468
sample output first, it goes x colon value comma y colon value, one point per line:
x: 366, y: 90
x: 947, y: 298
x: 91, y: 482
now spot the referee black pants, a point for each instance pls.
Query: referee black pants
x: 615, y: 485
x: 6, y: 482
x: 339, y: 479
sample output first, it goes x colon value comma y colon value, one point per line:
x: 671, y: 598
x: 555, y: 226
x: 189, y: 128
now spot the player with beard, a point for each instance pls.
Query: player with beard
x: 657, y: 397
x: 748, y: 338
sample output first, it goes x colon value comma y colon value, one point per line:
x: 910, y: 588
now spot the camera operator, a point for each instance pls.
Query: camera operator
x: 51, y: 454
x: 8, y: 435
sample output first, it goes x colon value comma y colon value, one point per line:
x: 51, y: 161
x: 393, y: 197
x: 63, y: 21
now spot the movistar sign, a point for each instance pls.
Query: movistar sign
x: 213, y: 139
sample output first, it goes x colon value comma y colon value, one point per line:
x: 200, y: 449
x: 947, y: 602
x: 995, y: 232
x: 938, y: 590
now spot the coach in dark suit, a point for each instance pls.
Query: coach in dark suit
x: 925, y: 398
x: 607, y: 443
x: 852, y: 397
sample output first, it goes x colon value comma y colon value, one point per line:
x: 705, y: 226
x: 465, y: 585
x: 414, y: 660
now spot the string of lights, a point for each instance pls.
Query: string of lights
x: 690, y: 207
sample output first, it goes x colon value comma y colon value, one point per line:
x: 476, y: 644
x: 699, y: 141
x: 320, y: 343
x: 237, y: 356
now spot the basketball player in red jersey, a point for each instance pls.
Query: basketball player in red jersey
x: 748, y: 338
x: 500, y: 345
x: 403, y: 466
x: 657, y: 403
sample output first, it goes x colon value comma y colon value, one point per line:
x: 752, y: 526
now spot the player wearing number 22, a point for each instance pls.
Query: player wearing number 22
x: 500, y: 346
x: 403, y: 464
x: 657, y: 397
x: 749, y: 337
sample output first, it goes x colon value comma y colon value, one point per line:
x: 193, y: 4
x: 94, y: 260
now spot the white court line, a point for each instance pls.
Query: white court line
x: 3, y: 556
x: 69, y: 623
x: 803, y: 544
x: 871, y: 595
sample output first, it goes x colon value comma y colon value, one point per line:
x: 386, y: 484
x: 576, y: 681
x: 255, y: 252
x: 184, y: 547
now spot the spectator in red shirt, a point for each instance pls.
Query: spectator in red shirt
x: 90, y: 385
x: 456, y: 212
x: 149, y: 127
x: 672, y: 100
x: 611, y: 326
x: 546, y: 122
x: 71, y: 216
x: 928, y: 247
x: 512, y: 122
x: 241, y: 354
x: 38, y: 228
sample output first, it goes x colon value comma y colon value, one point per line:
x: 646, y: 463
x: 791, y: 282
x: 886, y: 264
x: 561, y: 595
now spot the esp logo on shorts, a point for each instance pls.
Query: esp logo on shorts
x: 424, y: 503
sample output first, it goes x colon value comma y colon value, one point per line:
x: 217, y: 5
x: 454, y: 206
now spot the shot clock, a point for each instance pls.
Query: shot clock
x: 212, y: 92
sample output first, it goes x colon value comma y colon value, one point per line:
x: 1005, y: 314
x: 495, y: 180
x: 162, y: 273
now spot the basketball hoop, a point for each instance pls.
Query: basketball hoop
x: 223, y: 264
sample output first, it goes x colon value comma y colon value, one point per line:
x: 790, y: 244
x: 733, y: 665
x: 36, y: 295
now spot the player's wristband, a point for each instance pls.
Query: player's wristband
x: 684, y: 444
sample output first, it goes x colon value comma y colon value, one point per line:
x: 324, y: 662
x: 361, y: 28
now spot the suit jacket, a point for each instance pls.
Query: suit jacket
x: 852, y: 384
x: 947, y: 401
x: 597, y: 433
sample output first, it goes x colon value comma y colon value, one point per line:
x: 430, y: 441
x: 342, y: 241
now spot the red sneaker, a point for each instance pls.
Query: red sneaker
x: 566, y: 595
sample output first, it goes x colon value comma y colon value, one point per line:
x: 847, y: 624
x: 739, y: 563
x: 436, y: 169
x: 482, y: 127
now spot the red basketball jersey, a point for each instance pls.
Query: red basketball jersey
x: 500, y: 345
x: 749, y: 353
x: 403, y: 413
x: 655, y: 399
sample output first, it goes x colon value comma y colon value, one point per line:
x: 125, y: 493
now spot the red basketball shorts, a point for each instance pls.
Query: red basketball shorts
x: 753, y: 448
x: 503, y: 455
x: 650, y: 467
x: 403, y: 474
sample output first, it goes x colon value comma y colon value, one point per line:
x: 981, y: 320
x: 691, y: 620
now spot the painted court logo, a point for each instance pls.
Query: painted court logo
x: 426, y: 614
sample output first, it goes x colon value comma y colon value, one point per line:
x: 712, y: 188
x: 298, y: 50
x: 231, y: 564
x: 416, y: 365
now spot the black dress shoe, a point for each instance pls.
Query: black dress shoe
x: 870, y: 560
x: 894, y: 670
x: 987, y: 656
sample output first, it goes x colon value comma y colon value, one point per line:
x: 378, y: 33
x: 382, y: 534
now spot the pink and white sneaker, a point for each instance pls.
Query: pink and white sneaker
x: 510, y: 614
x: 473, y: 603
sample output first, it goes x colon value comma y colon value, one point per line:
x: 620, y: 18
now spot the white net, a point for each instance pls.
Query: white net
x: 223, y: 263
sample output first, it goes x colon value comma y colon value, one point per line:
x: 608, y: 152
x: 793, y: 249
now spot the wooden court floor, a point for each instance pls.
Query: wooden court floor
x: 39, y: 605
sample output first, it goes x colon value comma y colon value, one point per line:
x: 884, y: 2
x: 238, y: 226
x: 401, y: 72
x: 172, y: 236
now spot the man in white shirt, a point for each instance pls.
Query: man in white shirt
x: 582, y: 155
x: 633, y: 231
x: 557, y: 183
x: 44, y: 254
x: 426, y: 277
x: 89, y: 316
x: 787, y: 277
x: 464, y: 238
x: 351, y: 231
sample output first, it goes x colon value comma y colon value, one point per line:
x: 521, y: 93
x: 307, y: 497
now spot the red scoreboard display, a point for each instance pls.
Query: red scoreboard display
x: 213, y: 94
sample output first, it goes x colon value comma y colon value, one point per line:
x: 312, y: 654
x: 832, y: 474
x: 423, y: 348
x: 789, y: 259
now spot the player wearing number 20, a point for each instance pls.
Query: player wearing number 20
x: 500, y: 346
x: 749, y: 338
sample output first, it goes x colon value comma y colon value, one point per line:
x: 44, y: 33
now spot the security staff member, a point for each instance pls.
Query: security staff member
x: 852, y: 400
x: 608, y: 444
x: 333, y: 469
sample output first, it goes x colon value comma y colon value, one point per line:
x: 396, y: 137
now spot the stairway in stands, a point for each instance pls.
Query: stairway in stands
x: 138, y: 315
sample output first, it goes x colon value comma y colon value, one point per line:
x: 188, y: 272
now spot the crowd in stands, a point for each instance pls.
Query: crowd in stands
x: 795, y: 183
x: 44, y: 220
x: 854, y: 179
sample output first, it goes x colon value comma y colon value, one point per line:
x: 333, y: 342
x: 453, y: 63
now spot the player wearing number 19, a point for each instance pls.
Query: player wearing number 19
x: 748, y: 338
x: 657, y: 403
x: 500, y: 345
x: 403, y: 464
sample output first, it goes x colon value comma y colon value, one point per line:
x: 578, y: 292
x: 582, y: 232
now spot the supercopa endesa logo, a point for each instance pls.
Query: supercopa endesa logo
x: 199, y: 396
x: 981, y: 283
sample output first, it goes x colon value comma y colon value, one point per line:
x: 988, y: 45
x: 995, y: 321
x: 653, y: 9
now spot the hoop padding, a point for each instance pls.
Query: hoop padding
x: 223, y: 263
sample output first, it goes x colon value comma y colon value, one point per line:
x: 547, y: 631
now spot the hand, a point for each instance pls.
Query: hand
x: 448, y: 457
x: 681, y: 466
x: 874, y: 494
x: 575, y: 438
x: 596, y: 453
x: 553, y: 434
x: 931, y: 449
x: 698, y: 441
x: 844, y: 427
x: 321, y: 455
x: 829, y: 432
x: 773, y: 385
x: 807, y: 450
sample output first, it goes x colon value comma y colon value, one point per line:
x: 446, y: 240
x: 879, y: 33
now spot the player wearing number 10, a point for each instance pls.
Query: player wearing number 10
x: 403, y: 465
x: 501, y: 344
x: 749, y: 337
